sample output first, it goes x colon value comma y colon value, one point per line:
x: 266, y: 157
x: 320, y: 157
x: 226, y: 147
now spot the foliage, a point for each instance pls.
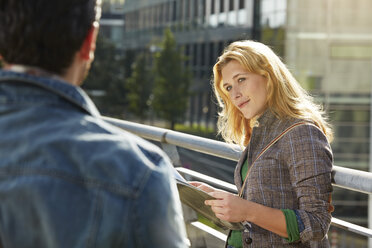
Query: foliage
x: 128, y: 61
x: 107, y: 76
x: 139, y: 88
x: 171, y: 89
x: 197, y: 130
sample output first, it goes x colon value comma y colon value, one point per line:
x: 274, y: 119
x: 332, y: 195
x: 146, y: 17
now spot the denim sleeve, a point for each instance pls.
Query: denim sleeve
x: 158, y: 211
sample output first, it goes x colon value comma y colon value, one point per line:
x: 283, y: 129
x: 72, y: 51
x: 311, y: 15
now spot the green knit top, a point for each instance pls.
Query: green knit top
x: 235, y: 239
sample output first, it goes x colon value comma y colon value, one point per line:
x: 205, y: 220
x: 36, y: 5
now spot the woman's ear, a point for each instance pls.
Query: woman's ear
x: 89, y: 45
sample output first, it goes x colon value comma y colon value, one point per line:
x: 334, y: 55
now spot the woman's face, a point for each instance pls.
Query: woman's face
x: 246, y: 90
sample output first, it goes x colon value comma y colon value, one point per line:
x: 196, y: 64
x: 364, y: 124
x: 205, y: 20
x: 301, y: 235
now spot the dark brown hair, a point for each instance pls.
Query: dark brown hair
x: 44, y: 33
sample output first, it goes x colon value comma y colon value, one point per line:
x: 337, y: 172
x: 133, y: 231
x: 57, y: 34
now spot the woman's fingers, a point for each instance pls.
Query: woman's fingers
x: 228, y: 206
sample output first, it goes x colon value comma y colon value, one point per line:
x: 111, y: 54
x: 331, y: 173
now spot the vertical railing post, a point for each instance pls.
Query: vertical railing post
x: 171, y: 151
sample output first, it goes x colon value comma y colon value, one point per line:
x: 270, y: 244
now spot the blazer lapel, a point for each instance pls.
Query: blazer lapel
x: 238, y: 168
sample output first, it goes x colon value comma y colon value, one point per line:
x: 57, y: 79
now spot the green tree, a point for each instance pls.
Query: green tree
x: 139, y: 88
x: 172, y: 79
x: 107, y: 78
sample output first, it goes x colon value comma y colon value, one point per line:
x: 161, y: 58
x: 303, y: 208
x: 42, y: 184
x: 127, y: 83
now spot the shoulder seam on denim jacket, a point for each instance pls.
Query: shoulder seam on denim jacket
x: 155, y: 157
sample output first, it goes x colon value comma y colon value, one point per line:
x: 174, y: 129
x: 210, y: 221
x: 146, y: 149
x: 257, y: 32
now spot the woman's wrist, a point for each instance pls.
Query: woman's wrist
x: 251, y: 211
x: 271, y: 219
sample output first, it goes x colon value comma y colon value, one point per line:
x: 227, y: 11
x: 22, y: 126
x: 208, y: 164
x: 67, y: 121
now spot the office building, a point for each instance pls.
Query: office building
x: 112, y: 21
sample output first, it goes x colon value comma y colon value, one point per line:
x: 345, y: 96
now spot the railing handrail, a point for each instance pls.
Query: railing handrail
x: 232, y: 188
x: 351, y: 179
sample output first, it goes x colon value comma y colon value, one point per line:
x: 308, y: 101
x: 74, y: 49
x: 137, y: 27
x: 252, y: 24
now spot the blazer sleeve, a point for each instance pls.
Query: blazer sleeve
x: 309, y: 159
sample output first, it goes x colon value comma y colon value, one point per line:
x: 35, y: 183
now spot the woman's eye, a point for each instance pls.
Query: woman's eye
x: 228, y: 88
x: 240, y: 80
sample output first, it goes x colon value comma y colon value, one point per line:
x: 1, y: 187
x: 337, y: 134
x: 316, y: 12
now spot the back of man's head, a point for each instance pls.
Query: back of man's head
x: 45, y: 33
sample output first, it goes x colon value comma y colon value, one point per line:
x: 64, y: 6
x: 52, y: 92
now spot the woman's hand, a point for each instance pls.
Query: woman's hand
x: 232, y: 208
x: 229, y: 207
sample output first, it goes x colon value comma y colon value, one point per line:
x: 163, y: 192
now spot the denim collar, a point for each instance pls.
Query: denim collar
x: 69, y: 92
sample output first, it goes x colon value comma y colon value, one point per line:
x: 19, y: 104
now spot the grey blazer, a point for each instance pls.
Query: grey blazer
x: 295, y: 173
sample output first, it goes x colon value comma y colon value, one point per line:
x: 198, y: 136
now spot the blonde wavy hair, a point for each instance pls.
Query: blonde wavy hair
x: 285, y: 97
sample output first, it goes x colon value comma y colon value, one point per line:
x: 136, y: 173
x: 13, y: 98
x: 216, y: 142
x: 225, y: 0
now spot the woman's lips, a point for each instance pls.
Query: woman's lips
x: 241, y: 105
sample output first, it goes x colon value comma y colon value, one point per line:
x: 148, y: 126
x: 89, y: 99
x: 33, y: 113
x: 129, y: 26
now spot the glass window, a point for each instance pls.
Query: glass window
x: 202, y: 54
x: 351, y: 51
x: 349, y: 115
x: 174, y: 11
x: 204, y: 6
x: 351, y: 131
x: 195, y: 54
x: 351, y: 147
x: 222, y: 6
x: 273, y: 13
x: 161, y: 14
x: 220, y: 47
x: 167, y: 11
x: 231, y: 5
x: 187, y: 10
x: 212, y: 56
x: 196, y: 8
x: 241, y: 4
x: 187, y: 54
x: 182, y: 9
x: 150, y: 13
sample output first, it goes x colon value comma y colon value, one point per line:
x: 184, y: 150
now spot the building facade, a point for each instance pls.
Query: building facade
x: 112, y: 21
x: 328, y: 46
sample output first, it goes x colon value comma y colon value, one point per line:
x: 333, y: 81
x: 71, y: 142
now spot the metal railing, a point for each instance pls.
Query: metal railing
x: 350, y: 179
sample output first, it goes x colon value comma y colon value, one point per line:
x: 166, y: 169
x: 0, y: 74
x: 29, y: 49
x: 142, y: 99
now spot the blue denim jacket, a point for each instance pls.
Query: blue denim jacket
x: 68, y: 179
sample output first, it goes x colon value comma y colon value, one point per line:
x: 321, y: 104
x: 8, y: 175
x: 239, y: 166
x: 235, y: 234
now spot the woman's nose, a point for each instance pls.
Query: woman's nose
x: 236, y: 93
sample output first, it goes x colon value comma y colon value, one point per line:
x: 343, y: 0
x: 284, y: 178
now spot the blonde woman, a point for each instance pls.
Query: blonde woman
x: 284, y: 174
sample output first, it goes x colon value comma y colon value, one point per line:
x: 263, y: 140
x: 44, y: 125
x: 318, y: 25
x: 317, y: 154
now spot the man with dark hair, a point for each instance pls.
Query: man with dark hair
x: 67, y: 178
